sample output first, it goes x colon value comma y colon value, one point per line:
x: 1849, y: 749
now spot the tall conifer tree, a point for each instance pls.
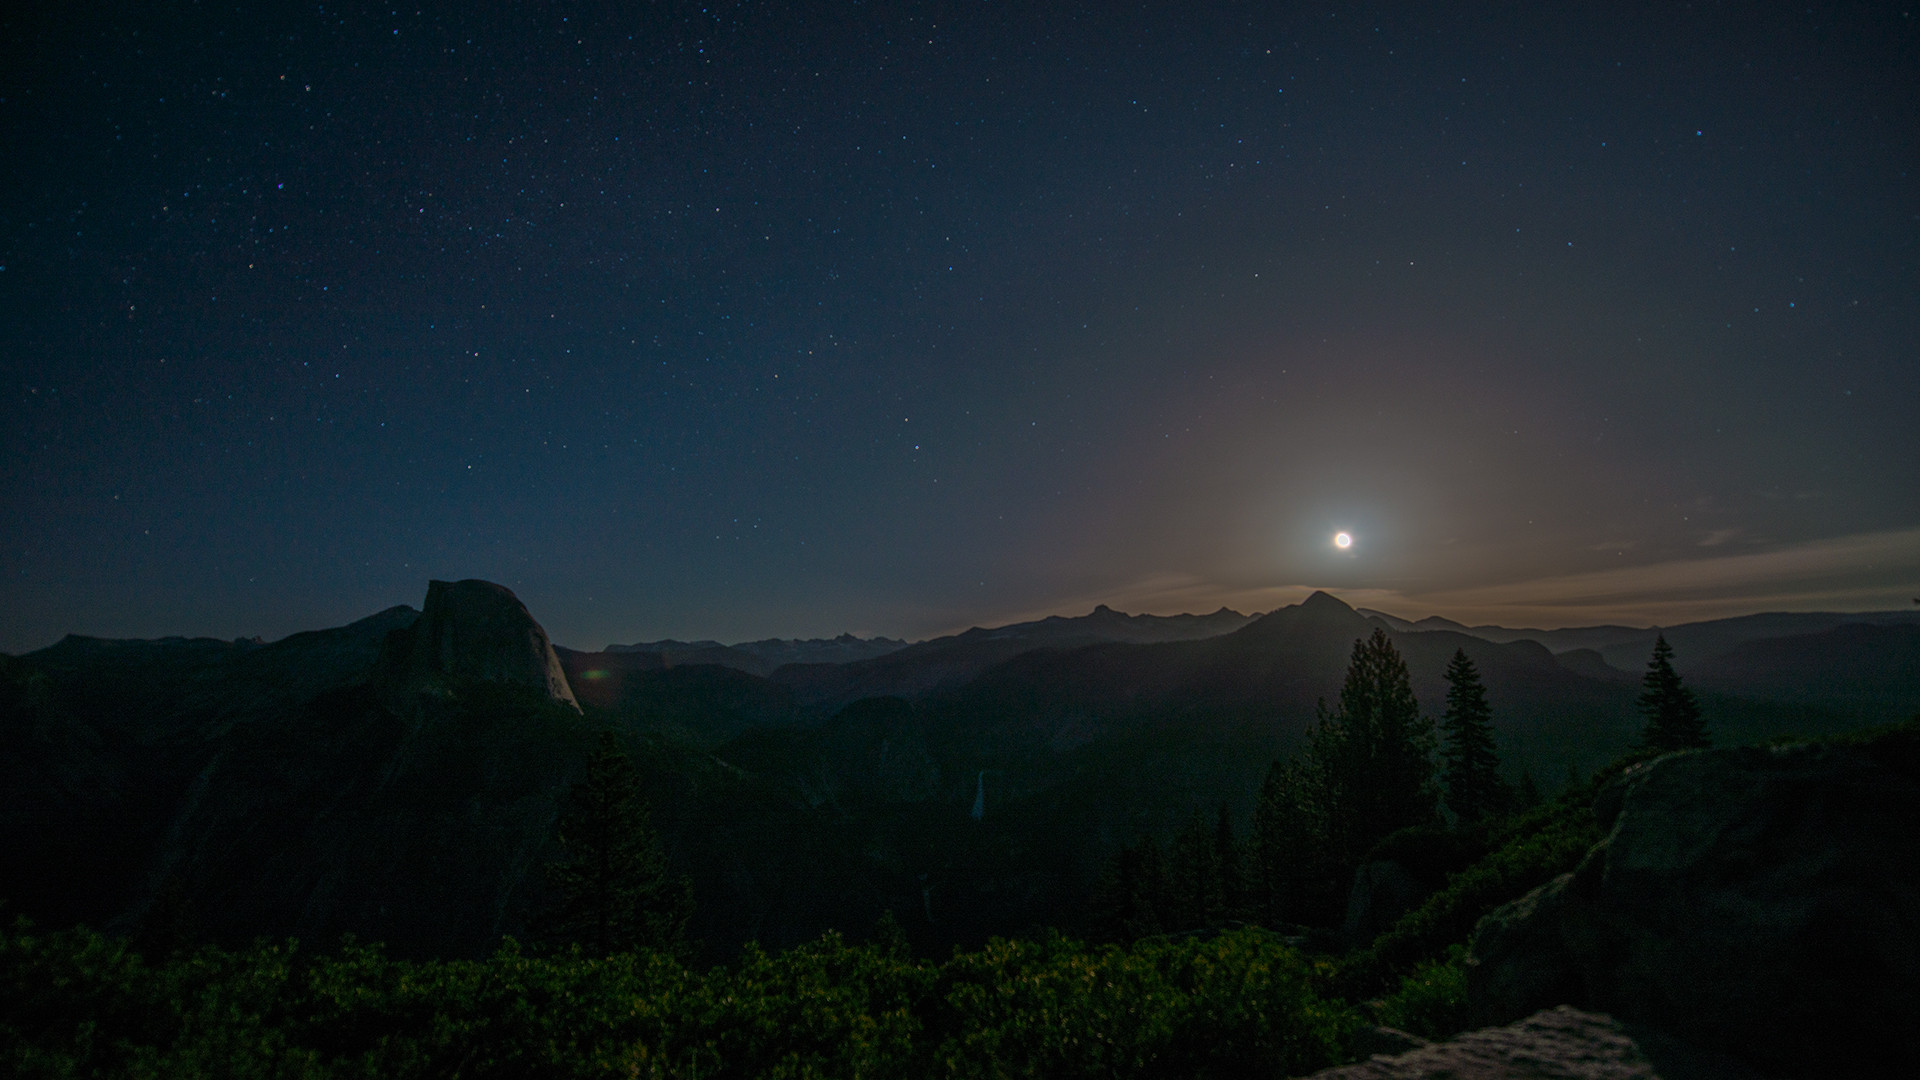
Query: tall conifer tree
x: 613, y: 892
x: 1474, y: 789
x: 1229, y: 859
x: 1195, y: 877
x: 1671, y: 711
x: 1372, y: 757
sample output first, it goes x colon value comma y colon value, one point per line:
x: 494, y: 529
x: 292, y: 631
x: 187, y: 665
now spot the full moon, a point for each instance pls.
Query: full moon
x: 1343, y: 541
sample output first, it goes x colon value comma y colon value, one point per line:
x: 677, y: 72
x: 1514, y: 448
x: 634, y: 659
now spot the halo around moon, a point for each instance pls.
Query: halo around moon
x: 1343, y: 540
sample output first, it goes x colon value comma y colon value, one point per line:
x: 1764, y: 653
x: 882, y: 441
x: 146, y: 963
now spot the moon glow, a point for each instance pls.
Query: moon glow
x: 1343, y: 541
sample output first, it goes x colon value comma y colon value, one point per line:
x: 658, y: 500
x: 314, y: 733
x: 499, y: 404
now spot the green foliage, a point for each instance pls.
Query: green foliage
x: 1205, y: 875
x: 1432, y: 1000
x: 1201, y: 885
x: 613, y: 890
x: 1530, y: 849
x: 1672, y: 712
x: 1473, y: 784
x: 1239, y: 1004
x: 77, y: 1003
x: 1131, y: 900
x: 1432, y: 852
x: 1294, y: 879
x: 821, y: 1010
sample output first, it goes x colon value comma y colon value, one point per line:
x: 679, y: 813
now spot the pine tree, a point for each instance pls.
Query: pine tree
x: 1526, y: 793
x: 1130, y: 900
x: 889, y: 939
x: 1230, y: 863
x: 1372, y: 757
x: 612, y: 889
x: 1672, y: 713
x: 1150, y: 897
x: 1474, y: 788
x: 1195, y: 878
x: 1288, y: 846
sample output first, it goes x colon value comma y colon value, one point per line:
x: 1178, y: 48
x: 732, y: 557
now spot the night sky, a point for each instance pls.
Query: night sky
x: 747, y: 320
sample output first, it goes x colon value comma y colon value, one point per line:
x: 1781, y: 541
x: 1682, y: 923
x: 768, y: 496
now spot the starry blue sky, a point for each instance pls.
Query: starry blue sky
x: 739, y: 319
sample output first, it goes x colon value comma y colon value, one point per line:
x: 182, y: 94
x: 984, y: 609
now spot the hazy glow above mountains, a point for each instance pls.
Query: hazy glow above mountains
x: 838, y: 323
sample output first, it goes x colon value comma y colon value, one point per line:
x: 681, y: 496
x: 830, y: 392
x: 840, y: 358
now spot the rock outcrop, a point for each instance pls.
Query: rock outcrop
x: 475, y: 631
x: 1382, y: 892
x: 1563, y: 1043
x: 1764, y: 902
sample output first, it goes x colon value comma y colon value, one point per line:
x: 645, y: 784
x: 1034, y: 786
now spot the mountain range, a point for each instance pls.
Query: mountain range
x: 397, y: 777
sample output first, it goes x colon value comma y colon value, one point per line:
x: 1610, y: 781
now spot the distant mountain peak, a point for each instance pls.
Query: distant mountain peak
x: 477, y: 630
x: 1322, y: 600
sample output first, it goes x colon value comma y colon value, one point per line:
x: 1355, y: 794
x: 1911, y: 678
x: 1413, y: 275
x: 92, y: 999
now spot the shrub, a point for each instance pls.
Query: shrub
x: 1432, y: 1001
x: 77, y: 1003
x: 1237, y: 1004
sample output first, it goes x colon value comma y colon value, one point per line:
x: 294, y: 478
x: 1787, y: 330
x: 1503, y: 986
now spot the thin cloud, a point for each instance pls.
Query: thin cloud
x: 1867, y: 571
x: 1861, y: 571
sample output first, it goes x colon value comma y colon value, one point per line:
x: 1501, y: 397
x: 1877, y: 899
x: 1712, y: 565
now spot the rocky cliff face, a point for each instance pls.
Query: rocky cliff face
x: 1764, y: 902
x: 475, y: 631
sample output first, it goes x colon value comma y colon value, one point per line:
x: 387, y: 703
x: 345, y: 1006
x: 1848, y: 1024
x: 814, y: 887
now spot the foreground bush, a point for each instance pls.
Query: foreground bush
x: 1240, y: 1004
x: 78, y: 1003
x: 1530, y: 850
x: 1432, y: 1001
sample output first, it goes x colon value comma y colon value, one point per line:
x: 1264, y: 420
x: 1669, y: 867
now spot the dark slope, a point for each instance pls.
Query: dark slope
x: 705, y: 703
x: 196, y: 687
x: 1253, y: 694
x: 105, y: 739
x: 952, y: 661
x: 686, y: 653
x: 359, y: 779
x: 1590, y: 663
x: 1871, y: 673
x: 426, y: 827
x: 763, y: 657
x: 369, y: 777
x: 1696, y: 643
x: 844, y: 649
x: 1577, y: 637
x: 1627, y: 648
x: 1080, y: 749
x: 838, y: 670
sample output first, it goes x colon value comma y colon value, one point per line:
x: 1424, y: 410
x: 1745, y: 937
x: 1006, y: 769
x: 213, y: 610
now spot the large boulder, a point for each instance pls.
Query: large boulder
x: 475, y: 631
x: 1761, y: 901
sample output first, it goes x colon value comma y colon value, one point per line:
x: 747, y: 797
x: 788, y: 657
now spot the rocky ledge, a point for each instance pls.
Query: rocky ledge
x: 1759, y: 902
x: 1562, y: 1043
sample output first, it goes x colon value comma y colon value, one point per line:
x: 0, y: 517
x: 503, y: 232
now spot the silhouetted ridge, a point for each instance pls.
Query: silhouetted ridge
x: 1325, y: 601
x: 1317, y: 615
